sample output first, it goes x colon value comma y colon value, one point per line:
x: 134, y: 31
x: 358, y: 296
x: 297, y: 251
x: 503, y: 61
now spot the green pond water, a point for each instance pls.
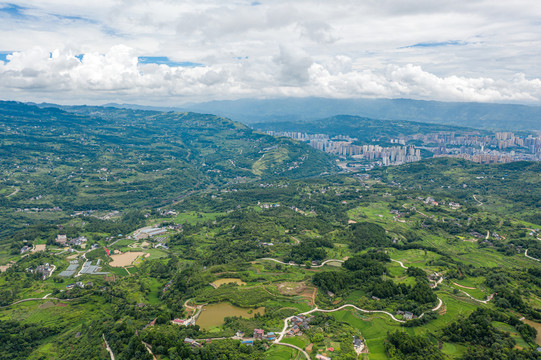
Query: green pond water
x: 213, y: 315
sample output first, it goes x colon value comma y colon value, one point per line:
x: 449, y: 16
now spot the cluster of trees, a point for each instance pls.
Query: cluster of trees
x: 19, y: 340
x: 309, y: 250
x: 489, y: 342
x: 364, y: 235
x: 365, y: 272
x: 402, y: 346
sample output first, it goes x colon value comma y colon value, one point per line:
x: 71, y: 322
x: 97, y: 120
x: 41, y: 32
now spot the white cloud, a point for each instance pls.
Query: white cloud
x: 97, y: 76
x: 341, y: 48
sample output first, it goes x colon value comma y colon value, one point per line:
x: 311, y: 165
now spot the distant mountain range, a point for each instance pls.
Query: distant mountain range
x: 477, y: 115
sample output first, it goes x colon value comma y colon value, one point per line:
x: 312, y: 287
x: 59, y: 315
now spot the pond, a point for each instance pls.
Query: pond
x: 219, y: 282
x: 537, y: 327
x: 213, y: 315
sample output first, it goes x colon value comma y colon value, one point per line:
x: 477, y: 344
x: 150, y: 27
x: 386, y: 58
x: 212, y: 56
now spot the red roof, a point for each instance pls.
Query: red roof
x: 106, y: 250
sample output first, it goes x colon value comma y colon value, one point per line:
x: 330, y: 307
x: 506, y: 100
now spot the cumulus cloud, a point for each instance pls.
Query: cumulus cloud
x: 293, y: 64
x: 118, y: 71
x: 459, y: 50
x: 318, y: 31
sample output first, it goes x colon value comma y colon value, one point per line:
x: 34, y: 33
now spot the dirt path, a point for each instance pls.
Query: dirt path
x: 489, y: 298
x: 149, y: 349
x: 464, y: 287
x: 400, y: 262
x: 108, y: 347
x: 46, y: 297
x: 13, y: 193
x: 294, y: 347
x: 478, y: 202
x: 191, y: 308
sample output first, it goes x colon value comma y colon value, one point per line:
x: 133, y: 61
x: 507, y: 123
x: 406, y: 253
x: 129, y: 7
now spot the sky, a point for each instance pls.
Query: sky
x: 170, y: 52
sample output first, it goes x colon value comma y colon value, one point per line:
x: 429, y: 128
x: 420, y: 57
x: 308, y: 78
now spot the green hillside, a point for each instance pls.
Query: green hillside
x: 111, y: 159
x: 174, y: 236
x: 513, y: 188
x: 363, y: 128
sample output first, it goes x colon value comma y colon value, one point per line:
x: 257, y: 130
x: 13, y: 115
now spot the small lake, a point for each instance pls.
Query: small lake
x: 220, y: 282
x: 214, y: 314
x: 537, y: 327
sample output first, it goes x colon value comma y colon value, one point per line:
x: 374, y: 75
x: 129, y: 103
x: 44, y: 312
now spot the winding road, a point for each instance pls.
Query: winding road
x: 316, y: 309
x: 400, y: 262
x: 490, y: 297
x: 46, y: 297
x: 530, y: 257
x: 293, y: 264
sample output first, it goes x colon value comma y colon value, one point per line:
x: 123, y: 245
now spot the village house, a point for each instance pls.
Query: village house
x: 322, y: 357
x: 78, y: 241
x: 148, y: 232
x: 45, y: 270
x: 357, y: 343
x: 408, y: 315
x: 183, y: 322
x: 61, y: 239
x: 192, y: 342
x: 454, y: 205
x: 258, y: 334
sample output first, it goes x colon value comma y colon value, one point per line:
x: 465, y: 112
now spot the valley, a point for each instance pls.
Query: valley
x: 141, y: 235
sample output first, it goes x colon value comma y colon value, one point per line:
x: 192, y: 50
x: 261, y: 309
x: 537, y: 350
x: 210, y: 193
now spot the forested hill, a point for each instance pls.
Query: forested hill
x: 105, y: 158
x: 513, y: 188
x: 363, y: 128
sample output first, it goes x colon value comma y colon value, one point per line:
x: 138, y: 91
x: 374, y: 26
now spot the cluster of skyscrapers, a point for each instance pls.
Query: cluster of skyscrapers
x: 499, y: 147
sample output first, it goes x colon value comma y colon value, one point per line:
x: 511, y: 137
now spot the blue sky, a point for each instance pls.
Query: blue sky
x: 168, y: 52
x: 164, y: 60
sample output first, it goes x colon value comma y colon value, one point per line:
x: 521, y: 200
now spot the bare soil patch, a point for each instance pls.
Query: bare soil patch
x: 125, y: 259
x: 292, y: 288
x: 40, y: 247
x: 5, y: 267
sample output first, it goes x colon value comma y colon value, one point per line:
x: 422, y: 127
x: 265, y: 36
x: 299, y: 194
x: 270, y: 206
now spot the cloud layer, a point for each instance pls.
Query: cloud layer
x: 486, y: 51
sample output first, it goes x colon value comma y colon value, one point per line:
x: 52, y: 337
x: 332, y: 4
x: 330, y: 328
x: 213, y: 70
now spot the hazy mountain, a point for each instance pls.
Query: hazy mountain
x: 478, y: 115
x: 362, y: 128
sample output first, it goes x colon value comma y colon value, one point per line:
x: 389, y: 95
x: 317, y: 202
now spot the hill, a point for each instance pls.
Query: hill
x: 362, y: 128
x: 103, y: 158
x: 478, y: 115
x: 513, y: 188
